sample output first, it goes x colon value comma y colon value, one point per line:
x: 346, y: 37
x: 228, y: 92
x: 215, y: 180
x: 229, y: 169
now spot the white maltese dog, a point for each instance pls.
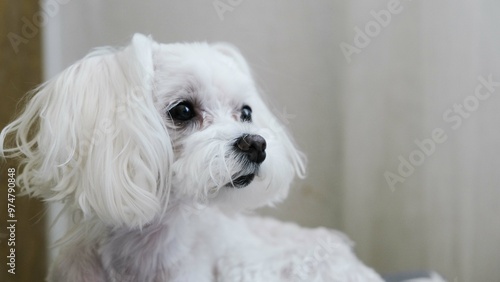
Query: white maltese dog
x: 155, y: 150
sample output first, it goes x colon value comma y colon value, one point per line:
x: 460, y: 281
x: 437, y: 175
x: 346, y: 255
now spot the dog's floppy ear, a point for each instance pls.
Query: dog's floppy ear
x: 93, y: 138
x: 265, y: 118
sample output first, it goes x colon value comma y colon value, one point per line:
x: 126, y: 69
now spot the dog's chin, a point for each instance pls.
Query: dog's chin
x: 242, y: 181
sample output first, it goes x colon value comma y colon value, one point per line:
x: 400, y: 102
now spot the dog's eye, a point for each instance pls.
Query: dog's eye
x: 246, y: 114
x: 182, y: 112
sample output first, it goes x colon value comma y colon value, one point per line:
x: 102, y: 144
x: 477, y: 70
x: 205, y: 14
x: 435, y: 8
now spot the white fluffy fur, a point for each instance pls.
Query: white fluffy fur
x: 148, y: 197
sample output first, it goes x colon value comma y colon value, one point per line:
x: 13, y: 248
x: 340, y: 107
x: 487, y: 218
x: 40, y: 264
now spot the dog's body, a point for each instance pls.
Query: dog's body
x: 155, y: 150
x: 210, y: 246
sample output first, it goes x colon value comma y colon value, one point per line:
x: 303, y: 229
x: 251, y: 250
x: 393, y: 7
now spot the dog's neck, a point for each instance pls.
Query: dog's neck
x: 186, y: 230
x: 164, y: 242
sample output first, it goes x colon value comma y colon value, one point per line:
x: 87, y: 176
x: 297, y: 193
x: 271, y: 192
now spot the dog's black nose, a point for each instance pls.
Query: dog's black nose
x: 254, y: 146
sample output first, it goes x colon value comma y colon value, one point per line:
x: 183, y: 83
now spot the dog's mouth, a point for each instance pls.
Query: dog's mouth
x: 241, y: 181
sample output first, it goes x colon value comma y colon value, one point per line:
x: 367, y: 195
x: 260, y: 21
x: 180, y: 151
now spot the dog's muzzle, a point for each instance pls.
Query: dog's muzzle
x: 252, y: 148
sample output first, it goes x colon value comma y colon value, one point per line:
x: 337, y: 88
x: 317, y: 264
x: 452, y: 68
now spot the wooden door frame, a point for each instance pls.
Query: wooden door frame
x: 20, y: 71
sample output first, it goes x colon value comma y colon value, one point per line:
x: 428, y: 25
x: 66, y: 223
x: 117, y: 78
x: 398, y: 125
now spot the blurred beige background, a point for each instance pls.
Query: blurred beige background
x: 357, y: 82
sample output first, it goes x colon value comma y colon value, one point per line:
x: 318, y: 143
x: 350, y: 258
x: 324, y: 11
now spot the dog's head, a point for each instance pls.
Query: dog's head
x: 121, y: 131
